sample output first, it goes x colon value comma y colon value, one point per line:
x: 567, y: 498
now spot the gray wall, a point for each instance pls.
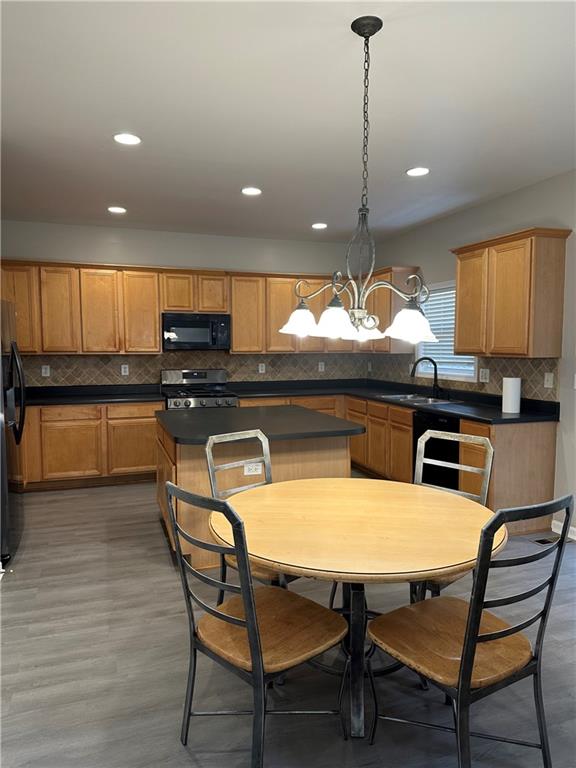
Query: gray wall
x: 118, y: 245
x: 551, y: 203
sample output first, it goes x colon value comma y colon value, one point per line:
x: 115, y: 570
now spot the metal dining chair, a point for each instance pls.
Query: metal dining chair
x: 261, y: 573
x: 465, y: 650
x: 256, y: 634
x: 483, y: 472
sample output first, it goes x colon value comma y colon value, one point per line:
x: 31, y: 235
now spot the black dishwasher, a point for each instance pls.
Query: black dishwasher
x: 445, y: 450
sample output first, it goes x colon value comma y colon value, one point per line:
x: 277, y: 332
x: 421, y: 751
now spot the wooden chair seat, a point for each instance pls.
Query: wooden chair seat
x: 428, y: 637
x: 259, y: 572
x: 292, y: 629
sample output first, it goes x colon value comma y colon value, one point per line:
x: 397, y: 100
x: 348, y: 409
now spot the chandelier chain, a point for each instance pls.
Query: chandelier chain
x: 366, y: 123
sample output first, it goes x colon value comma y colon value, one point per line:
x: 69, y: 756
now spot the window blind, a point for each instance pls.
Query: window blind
x: 440, y: 309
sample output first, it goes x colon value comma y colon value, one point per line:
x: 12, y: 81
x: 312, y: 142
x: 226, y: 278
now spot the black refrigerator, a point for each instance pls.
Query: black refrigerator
x: 12, y: 419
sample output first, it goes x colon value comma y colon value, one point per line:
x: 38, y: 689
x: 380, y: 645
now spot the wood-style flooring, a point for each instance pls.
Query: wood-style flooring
x: 95, y: 652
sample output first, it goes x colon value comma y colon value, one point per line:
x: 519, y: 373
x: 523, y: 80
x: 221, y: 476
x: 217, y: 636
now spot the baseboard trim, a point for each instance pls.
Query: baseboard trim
x: 557, y: 528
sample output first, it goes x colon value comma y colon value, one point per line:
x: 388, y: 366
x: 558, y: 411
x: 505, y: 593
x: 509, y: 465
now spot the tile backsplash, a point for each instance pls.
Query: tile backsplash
x: 72, y: 370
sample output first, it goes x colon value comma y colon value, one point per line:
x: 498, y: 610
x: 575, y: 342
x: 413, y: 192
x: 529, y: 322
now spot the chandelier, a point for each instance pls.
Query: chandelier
x: 355, y: 322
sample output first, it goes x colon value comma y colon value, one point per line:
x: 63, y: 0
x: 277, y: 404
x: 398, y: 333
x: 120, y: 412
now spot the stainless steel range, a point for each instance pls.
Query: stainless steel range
x: 197, y: 389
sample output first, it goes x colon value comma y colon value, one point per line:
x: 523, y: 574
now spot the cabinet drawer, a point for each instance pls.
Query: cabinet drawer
x: 356, y: 404
x: 315, y: 403
x: 70, y: 412
x: 474, y: 428
x: 133, y: 410
x: 378, y: 410
x: 401, y: 415
x: 252, y: 402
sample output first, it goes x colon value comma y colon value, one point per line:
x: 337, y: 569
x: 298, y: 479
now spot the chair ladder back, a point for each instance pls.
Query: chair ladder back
x: 188, y: 572
x: 485, y: 470
x: 478, y: 603
x: 234, y: 437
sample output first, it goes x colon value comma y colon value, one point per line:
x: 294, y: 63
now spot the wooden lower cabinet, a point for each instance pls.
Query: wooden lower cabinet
x: 254, y: 402
x: 401, y: 454
x: 356, y: 412
x: 331, y: 405
x: 165, y: 472
x: 72, y: 442
x: 378, y: 438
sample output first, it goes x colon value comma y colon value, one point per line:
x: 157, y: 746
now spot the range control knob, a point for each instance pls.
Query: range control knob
x: 229, y: 402
x: 176, y: 403
x: 187, y: 403
x: 218, y: 402
x: 203, y: 403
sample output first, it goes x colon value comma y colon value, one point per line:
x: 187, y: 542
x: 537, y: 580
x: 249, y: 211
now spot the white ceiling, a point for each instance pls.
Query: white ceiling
x: 229, y: 94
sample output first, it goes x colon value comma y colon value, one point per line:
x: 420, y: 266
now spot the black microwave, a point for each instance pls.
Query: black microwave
x: 183, y: 330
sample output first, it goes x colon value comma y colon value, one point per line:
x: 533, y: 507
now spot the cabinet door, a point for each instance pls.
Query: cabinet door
x: 165, y: 472
x: 141, y: 312
x: 71, y: 449
x: 401, y: 466
x: 20, y: 286
x: 380, y: 304
x: 248, y: 314
x: 378, y: 438
x: 359, y: 443
x: 60, y: 301
x: 177, y: 291
x: 509, y: 273
x: 280, y: 302
x: 317, y: 305
x: 212, y: 293
x: 100, y: 302
x: 471, y: 297
x: 131, y: 446
x: 472, y: 455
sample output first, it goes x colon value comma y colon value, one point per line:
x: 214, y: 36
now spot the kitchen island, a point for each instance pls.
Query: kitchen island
x: 303, y: 444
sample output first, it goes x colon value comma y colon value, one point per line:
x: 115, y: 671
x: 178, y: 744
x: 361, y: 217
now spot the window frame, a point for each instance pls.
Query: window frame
x: 419, y: 352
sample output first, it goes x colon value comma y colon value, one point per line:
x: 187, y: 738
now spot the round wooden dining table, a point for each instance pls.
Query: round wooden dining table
x: 358, y: 531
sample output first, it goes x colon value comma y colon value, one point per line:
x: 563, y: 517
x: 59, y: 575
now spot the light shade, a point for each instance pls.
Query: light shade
x: 301, y: 322
x: 411, y: 325
x: 334, y: 321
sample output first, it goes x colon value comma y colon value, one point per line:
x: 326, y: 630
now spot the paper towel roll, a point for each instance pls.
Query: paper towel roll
x: 511, y: 395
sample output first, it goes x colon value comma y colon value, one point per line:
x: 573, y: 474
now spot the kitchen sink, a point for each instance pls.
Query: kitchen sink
x: 418, y: 399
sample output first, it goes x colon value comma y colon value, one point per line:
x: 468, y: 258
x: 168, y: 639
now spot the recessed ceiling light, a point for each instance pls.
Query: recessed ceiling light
x: 127, y: 138
x: 251, y: 191
x: 117, y: 209
x: 319, y: 225
x: 418, y: 171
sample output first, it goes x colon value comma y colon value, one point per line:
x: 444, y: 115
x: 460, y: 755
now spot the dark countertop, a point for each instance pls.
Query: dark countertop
x: 103, y: 393
x: 464, y: 403
x: 279, y: 422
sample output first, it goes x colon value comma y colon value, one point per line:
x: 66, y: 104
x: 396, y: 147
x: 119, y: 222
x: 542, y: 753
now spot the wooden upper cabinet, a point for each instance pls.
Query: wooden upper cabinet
x: 380, y: 303
x: 141, y: 312
x: 509, y: 270
x: 471, y: 297
x: 212, y: 293
x: 509, y: 295
x: 317, y: 305
x: 100, y: 302
x: 60, y: 308
x: 248, y: 313
x: 178, y: 291
x: 280, y: 302
x: 339, y: 345
x: 20, y: 286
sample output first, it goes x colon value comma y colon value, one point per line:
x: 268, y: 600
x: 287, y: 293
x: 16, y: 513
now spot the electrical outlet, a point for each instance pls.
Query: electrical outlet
x: 45, y: 371
x: 261, y: 367
x: 321, y: 367
x: 125, y: 370
x: 549, y: 380
x: 369, y: 366
x: 253, y: 469
x: 484, y: 375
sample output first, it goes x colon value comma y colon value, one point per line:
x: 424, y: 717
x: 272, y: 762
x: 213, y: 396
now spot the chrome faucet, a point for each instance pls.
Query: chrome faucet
x: 436, y: 390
